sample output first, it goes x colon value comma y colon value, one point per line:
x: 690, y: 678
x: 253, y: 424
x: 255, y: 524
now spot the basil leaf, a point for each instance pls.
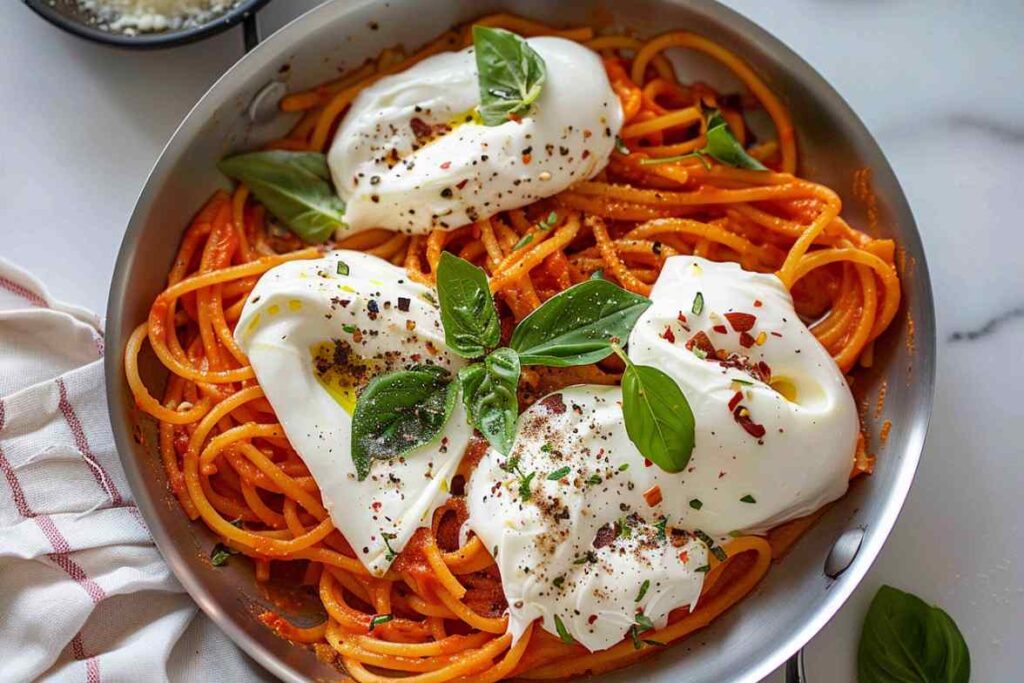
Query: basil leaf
x: 400, y: 411
x: 723, y: 147
x: 470, y: 320
x: 658, y: 418
x: 510, y: 73
x: 294, y: 186
x: 905, y: 640
x: 489, y: 392
x: 578, y: 325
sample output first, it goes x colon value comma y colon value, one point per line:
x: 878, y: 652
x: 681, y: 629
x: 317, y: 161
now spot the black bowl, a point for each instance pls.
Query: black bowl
x: 67, y: 15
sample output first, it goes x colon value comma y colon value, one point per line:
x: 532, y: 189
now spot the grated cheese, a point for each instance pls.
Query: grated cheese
x: 147, y: 16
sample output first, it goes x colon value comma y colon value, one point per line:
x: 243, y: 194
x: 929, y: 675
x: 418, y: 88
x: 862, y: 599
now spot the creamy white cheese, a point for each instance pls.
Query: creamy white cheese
x: 313, y: 337
x: 411, y: 156
x: 582, y: 546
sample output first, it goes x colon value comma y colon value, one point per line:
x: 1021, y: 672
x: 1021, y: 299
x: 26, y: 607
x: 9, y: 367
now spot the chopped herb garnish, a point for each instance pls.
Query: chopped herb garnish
x: 620, y: 146
x: 524, y: 240
x: 698, y: 303
x: 643, y: 590
x: 546, y: 448
x: 524, y: 485
x: 743, y: 382
x: 700, y: 353
x: 710, y: 543
x: 563, y: 632
x: 660, y: 526
x: 590, y: 557
x: 593, y: 480
x: 559, y: 473
x: 703, y: 569
x: 643, y: 621
x: 548, y: 222
x: 747, y: 499
x: 379, y: 619
x: 349, y: 329
x: 220, y: 554
x: 391, y: 554
x: 624, y: 528
x: 558, y: 581
x: 696, y: 503
x: 342, y: 268
x: 623, y: 467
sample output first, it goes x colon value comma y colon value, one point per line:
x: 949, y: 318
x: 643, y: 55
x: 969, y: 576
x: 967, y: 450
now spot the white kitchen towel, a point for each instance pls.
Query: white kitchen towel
x: 84, y: 594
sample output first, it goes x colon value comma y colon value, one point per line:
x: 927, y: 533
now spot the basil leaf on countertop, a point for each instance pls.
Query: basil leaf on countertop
x: 724, y: 147
x: 658, y: 417
x: 400, y: 411
x: 294, y: 186
x: 468, y: 315
x: 489, y: 393
x: 578, y: 325
x: 510, y: 72
x: 906, y: 640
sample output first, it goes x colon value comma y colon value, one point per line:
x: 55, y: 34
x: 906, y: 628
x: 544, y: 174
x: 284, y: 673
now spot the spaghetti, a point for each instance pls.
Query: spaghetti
x: 437, y: 615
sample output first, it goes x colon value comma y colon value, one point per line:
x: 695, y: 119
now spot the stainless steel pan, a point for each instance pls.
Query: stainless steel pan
x: 804, y: 590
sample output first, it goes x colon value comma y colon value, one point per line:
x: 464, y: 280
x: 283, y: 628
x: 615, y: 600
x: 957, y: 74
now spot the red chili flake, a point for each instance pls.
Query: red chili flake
x: 462, y: 183
x: 735, y: 400
x: 647, y: 463
x: 586, y: 153
x: 653, y: 495
x: 702, y: 342
x: 776, y: 334
x: 586, y: 133
x: 741, y: 322
x: 682, y: 318
x: 720, y: 329
x: 762, y: 372
x: 592, y: 618
x: 757, y: 303
x: 527, y: 158
x: 376, y: 506
x: 605, y: 535
x: 742, y: 416
x: 668, y: 335
x: 446, y: 165
x: 684, y: 557
x: 554, y: 403
x: 746, y: 341
x: 420, y: 128
x: 514, y: 117
x: 721, y: 474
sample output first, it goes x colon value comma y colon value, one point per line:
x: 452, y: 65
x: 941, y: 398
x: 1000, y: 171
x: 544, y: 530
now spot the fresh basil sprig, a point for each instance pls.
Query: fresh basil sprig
x: 906, y: 640
x: 582, y: 325
x: 658, y: 417
x: 489, y: 393
x: 721, y: 145
x: 294, y: 186
x: 400, y: 411
x: 578, y: 326
x: 510, y: 72
x: 468, y: 315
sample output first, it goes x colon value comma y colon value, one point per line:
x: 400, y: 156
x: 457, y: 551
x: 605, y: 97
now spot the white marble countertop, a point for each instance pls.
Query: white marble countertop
x: 941, y: 86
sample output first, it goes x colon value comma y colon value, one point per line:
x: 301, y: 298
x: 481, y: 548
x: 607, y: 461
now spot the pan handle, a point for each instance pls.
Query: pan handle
x: 795, y: 668
x: 251, y: 31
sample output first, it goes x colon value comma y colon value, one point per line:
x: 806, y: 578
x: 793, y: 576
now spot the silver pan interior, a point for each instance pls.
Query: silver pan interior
x: 797, y: 598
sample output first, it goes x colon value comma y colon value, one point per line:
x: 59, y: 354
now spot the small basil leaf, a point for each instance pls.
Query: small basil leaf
x: 489, y: 392
x: 905, y: 640
x: 468, y: 315
x: 294, y: 186
x: 578, y: 325
x: 400, y: 411
x: 658, y: 418
x: 723, y: 147
x: 511, y: 74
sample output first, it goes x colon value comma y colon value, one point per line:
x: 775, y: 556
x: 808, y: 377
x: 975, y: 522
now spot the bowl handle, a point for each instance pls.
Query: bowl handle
x: 795, y: 668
